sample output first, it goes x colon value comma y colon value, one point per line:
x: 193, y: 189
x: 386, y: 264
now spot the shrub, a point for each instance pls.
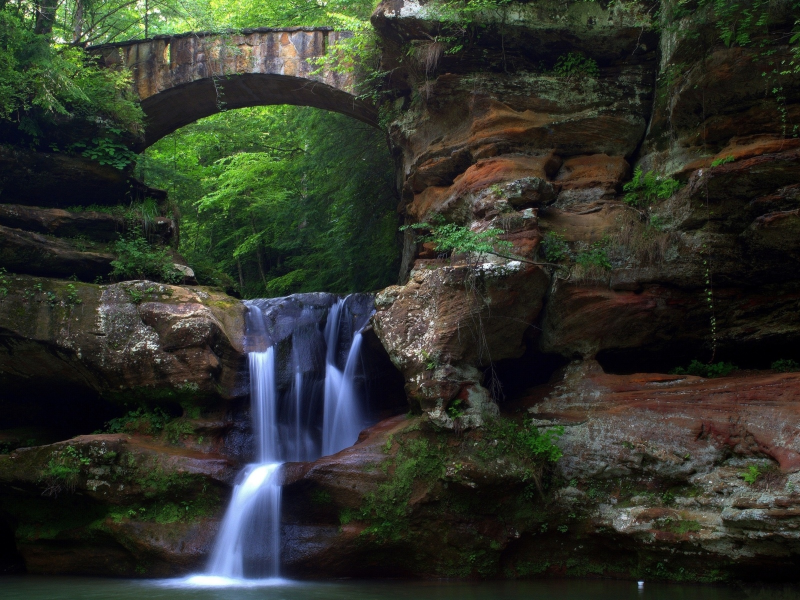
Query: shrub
x: 575, y: 63
x: 555, y: 246
x: 62, y: 470
x: 137, y: 259
x: 786, y: 365
x: 139, y: 421
x: 751, y: 475
x: 449, y: 237
x: 710, y: 371
x: 722, y: 161
x: 646, y: 188
x: 596, y: 256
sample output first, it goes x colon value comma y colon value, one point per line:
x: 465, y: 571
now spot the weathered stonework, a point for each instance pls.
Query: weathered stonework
x: 182, y: 78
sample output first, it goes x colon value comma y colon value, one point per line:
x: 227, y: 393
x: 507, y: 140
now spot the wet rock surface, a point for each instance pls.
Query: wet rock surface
x: 662, y: 476
x: 113, y: 505
x: 106, y: 345
x: 653, y: 483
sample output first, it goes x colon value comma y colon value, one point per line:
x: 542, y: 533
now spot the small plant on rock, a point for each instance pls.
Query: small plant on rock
x: 62, y: 470
x: 719, y: 369
x: 786, y: 365
x: 595, y: 256
x: 646, y: 188
x: 722, y: 161
x: 575, y: 63
x: 139, y: 421
x: 72, y: 298
x: 555, y: 246
x: 751, y: 475
x: 5, y: 282
x: 137, y: 259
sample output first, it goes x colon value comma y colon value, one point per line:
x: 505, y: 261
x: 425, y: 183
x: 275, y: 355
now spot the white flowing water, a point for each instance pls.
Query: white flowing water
x: 343, y: 418
x: 286, y: 426
x: 256, y: 499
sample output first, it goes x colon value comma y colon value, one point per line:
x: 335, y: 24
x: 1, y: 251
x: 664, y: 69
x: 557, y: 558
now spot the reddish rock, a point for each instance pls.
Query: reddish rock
x: 590, y: 178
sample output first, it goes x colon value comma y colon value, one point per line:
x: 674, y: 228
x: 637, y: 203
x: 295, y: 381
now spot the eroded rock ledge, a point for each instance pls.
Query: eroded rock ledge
x: 651, y: 484
x: 103, y: 346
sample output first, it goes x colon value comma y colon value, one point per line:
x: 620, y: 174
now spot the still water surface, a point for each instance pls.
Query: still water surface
x: 74, y: 588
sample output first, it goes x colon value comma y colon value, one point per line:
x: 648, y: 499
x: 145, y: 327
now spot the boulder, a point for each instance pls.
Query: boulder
x: 136, y: 341
x: 121, y: 505
x: 449, y: 320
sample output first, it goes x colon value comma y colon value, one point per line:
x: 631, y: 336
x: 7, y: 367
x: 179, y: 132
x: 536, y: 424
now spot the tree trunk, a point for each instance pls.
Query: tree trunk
x: 77, y: 23
x: 45, y: 14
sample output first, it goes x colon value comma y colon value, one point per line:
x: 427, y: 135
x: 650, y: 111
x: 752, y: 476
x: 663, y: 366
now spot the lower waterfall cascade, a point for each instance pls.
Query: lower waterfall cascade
x: 307, y: 400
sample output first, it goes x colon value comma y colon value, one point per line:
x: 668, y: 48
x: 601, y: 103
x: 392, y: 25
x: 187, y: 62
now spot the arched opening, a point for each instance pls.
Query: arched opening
x: 178, y: 106
x: 275, y: 200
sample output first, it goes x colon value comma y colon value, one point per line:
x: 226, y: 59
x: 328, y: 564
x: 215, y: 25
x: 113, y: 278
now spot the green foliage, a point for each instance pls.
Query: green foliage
x: 646, y: 188
x: 751, y: 475
x: 71, y: 297
x: 281, y: 199
x: 737, y: 21
x: 5, y: 282
x: 680, y: 526
x: 177, y: 430
x: 785, y: 365
x: 722, y: 161
x: 137, y: 259
x: 719, y: 369
x: 321, y: 497
x: 107, y: 151
x: 386, y: 509
x: 595, y: 256
x: 43, y: 84
x: 555, y: 247
x: 575, y: 63
x: 449, y: 237
x: 524, y: 441
x: 62, y: 470
x: 141, y: 420
x: 455, y: 409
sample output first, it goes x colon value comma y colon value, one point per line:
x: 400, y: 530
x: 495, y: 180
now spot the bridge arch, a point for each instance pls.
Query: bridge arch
x: 182, y: 78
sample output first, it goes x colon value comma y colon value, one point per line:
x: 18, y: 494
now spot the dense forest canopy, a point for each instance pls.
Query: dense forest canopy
x: 273, y: 200
x: 276, y: 200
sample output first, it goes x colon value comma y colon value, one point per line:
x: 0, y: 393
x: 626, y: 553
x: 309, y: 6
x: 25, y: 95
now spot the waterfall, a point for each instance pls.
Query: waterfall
x: 343, y: 418
x: 306, y: 394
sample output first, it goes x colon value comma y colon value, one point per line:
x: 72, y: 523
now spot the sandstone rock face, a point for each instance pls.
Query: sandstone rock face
x: 651, y: 484
x: 135, y: 341
x: 55, y: 179
x: 447, y: 321
x: 113, y: 504
x: 508, y: 141
x: 89, y: 225
x: 33, y: 253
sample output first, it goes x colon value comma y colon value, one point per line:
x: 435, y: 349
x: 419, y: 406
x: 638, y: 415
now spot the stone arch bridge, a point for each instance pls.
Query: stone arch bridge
x: 182, y: 78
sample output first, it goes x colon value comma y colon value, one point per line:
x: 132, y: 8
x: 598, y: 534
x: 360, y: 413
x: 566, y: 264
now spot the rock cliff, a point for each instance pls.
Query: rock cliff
x: 640, y: 160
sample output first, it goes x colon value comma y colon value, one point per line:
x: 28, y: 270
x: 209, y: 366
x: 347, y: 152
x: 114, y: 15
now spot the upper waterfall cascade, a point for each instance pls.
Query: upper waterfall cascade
x: 307, y: 397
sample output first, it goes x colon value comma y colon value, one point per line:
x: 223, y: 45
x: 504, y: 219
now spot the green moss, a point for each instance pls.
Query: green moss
x: 47, y: 518
x: 417, y: 461
x: 321, y: 497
